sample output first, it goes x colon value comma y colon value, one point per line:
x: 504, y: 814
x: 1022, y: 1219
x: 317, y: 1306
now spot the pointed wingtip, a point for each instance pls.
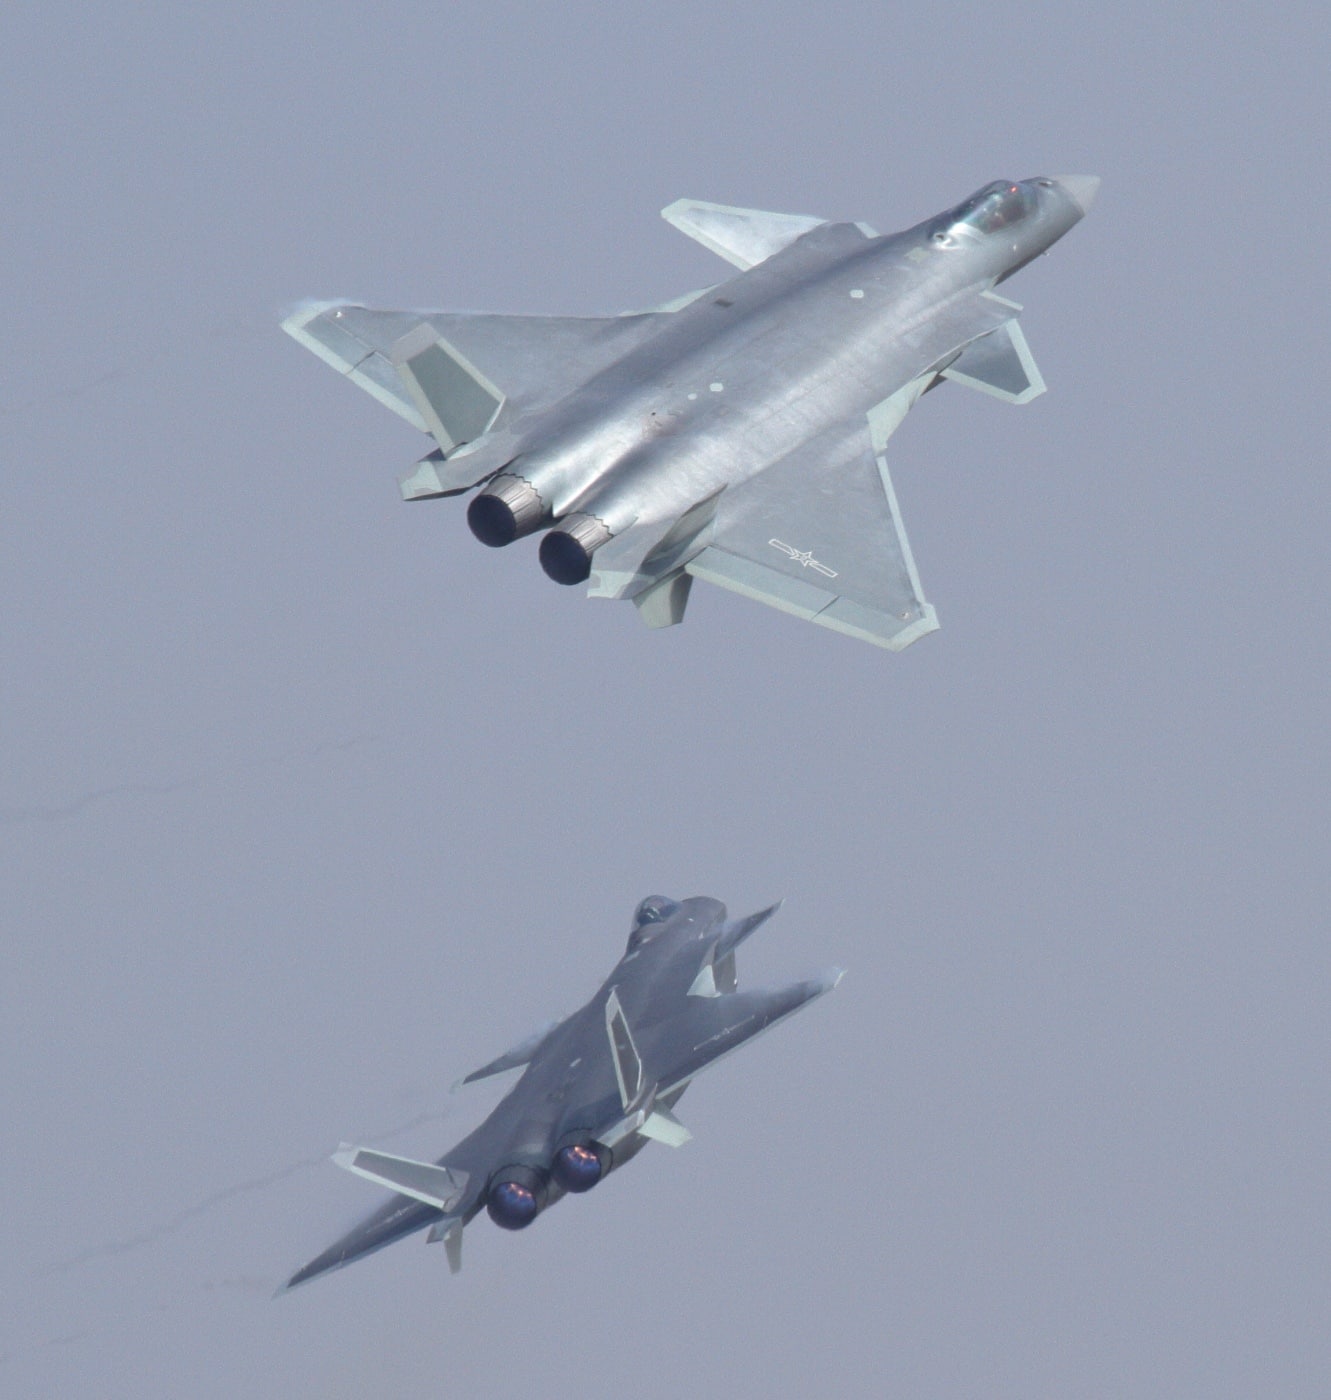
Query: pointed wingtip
x: 823, y: 982
x: 737, y: 930
x: 294, y: 1282
x: 762, y: 915
x: 298, y: 314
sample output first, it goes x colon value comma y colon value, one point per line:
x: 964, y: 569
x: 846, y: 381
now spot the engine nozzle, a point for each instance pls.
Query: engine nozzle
x: 516, y: 1197
x: 507, y: 508
x: 579, y: 1166
x: 566, y: 551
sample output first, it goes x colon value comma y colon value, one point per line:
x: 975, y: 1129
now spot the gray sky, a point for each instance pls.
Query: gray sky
x: 310, y: 804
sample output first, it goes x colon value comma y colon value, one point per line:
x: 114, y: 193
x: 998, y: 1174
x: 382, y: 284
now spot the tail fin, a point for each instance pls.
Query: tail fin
x: 455, y: 400
x: 405, y: 361
x: 441, y: 1187
x: 624, y: 1053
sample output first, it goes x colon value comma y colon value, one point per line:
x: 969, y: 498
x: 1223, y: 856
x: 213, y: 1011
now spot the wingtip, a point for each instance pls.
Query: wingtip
x: 345, y: 1155
x: 831, y: 979
x: 296, y: 315
x: 290, y: 1285
x: 762, y: 916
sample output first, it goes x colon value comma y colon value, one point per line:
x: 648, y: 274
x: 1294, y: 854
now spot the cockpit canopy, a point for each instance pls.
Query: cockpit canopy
x: 996, y: 206
x: 655, y: 909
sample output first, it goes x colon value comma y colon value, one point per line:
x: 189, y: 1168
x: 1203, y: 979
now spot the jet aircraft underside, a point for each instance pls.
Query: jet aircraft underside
x: 737, y: 435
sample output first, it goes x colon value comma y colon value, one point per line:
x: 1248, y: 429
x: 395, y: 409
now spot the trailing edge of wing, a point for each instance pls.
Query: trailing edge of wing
x: 819, y: 535
x: 744, y: 237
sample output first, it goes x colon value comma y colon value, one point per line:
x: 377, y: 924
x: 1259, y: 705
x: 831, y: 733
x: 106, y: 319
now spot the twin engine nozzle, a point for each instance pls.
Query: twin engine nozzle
x: 518, y: 1194
x: 509, y: 506
x: 505, y: 509
x: 580, y: 1165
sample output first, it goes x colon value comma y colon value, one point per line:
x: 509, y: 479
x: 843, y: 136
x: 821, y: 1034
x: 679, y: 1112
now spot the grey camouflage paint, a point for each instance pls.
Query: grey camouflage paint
x: 736, y: 436
x: 604, y: 1079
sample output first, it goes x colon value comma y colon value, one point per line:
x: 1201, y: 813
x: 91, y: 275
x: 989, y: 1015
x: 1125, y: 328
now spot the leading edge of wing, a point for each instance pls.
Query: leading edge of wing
x: 532, y: 360
x: 734, y: 1019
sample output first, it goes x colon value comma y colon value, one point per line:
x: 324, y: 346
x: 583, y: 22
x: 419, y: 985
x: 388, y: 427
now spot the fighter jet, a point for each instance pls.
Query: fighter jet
x: 735, y: 435
x: 598, y: 1085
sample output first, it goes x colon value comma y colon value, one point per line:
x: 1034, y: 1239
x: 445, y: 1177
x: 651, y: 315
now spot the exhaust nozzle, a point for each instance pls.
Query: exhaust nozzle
x: 566, y: 551
x: 506, y: 509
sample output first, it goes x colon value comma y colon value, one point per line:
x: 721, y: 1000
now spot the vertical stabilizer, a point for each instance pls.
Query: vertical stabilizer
x: 457, y: 402
x: 628, y: 1063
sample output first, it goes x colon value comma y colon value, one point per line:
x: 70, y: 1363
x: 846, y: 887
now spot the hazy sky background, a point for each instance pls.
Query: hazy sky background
x: 310, y: 804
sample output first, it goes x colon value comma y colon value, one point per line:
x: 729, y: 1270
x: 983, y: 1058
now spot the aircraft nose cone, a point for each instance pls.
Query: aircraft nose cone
x: 1082, y: 188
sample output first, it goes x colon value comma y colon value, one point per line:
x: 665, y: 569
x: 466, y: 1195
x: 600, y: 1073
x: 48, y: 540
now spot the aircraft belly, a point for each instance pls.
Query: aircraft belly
x: 764, y: 411
x: 735, y: 382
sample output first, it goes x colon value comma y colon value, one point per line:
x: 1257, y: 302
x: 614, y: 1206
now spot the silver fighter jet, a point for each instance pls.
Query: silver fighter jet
x: 598, y: 1086
x: 736, y: 434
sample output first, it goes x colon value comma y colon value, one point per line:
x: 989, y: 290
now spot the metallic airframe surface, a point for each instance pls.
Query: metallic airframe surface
x: 736, y: 435
x: 597, y: 1087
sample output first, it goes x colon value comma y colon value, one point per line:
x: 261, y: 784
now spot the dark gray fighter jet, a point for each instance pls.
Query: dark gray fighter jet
x: 598, y: 1085
x: 736, y: 434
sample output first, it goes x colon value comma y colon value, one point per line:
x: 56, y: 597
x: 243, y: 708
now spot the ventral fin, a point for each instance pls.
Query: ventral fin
x: 449, y: 1230
x: 1000, y: 364
x: 662, y: 1126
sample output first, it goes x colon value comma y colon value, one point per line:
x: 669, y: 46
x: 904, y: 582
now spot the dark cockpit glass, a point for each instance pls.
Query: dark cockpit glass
x: 996, y: 206
x: 655, y: 909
